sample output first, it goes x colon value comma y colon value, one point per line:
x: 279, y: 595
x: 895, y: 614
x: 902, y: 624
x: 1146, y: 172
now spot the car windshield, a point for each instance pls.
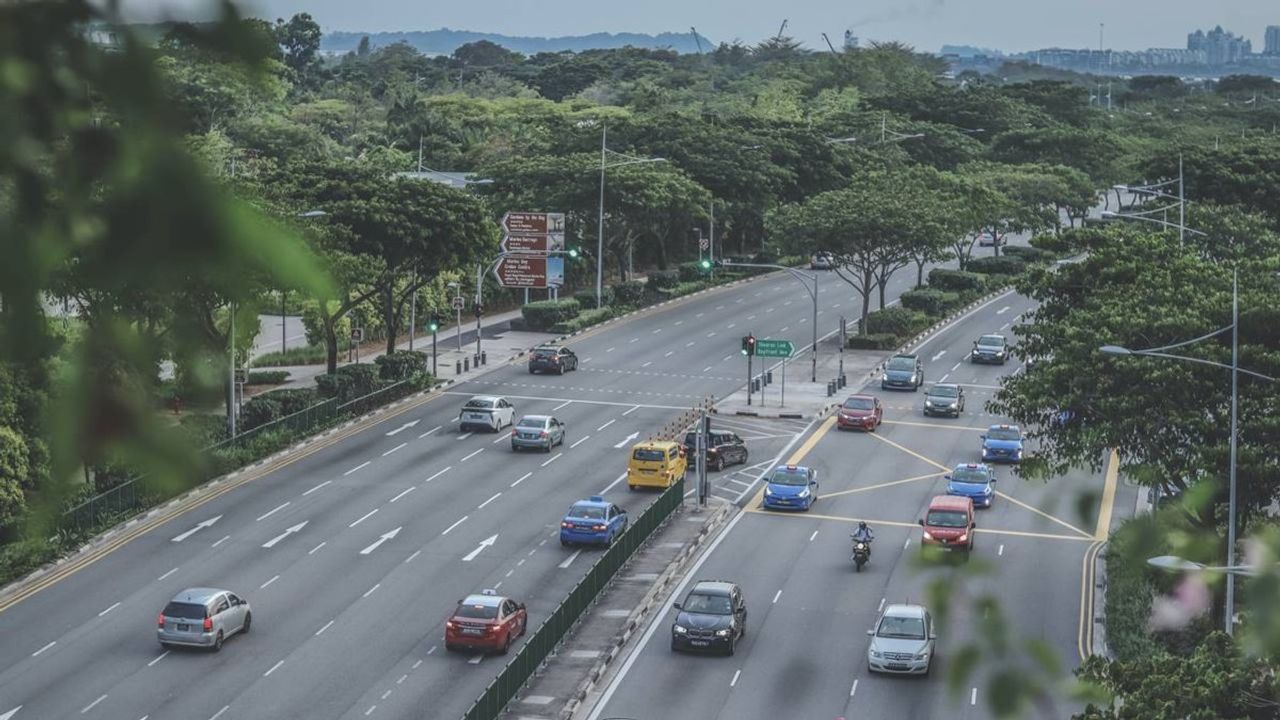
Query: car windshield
x: 479, y: 404
x: 708, y: 604
x: 1004, y: 434
x: 648, y: 455
x: 969, y: 475
x: 533, y: 422
x: 789, y: 476
x: 991, y: 341
x: 946, y: 391
x: 588, y: 512
x: 483, y: 612
x: 859, y: 404
x: 911, y: 628
x: 946, y: 519
x: 186, y: 611
x: 902, y: 363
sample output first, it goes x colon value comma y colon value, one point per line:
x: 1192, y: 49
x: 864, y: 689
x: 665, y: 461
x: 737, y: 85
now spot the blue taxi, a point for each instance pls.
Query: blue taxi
x: 791, y: 487
x: 593, y: 521
x: 1002, y: 443
x: 975, y: 481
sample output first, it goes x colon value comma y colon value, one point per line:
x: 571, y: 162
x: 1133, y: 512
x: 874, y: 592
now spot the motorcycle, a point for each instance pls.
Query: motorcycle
x: 861, y: 554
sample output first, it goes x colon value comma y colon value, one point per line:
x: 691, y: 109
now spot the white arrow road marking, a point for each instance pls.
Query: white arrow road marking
x: 296, y: 528
x: 940, y: 354
x: 11, y: 713
x: 487, y: 542
x: 403, y: 427
x: 1003, y: 310
x: 197, y: 528
x: 627, y: 439
x: 569, y: 560
x: 385, y: 537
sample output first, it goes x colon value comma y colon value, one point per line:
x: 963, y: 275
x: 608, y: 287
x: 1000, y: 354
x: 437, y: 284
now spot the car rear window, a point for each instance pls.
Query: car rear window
x: 944, y: 391
x: 647, y: 455
x: 947, y: 519
x: 187, y: 611
x: 533, y: 422
x: 479, y: 405
x: 1004, y: 434
x: 589, y: 512
x: 483, y: 612
x: 544, y: 354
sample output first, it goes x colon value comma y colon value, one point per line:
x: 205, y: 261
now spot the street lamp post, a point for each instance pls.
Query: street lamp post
x: 1178, y: 564
x: 605, y: 165
x: 802, y: 277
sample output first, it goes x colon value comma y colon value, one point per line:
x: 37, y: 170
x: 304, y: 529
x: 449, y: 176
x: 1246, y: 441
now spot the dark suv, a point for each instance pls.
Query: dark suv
x: 554, y: 359
x: 903, y: 371
x: 713, y: 616
x: 723, y: 448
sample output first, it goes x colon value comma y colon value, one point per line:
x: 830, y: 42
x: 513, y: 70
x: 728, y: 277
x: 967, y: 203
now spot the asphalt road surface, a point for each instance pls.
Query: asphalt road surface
x: 804, y: 655
x: 353, y: 552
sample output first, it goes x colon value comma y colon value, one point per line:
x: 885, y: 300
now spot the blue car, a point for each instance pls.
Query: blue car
x: 975, y: 481
x: 791, y: 487
x: 1002, y: 443
x: 594, y: 521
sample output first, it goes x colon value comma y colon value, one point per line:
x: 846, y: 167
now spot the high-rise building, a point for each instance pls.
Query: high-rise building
x: 1220, y: 46
x: 1271, y: 45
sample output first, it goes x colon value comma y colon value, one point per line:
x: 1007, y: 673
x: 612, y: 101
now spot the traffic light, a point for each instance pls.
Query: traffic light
x: 434, y: 323
x: 574, y: 253
x: 749, y: 345
x: 705, y: 264
x: 479, y: 309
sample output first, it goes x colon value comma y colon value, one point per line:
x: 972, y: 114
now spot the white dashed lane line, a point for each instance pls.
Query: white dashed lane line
x: 361, y: 466
x: 264, y: 585
x: 552, y: 459
x: 576, y: 444
x: 113, y: 607
x: 158, y: 658
x: 162, y: 577
x: 93, y: 704
x: 273, y: 668
x: 438, y: 474
x: 403, y: 493
x: 468, y: 457
x: 394, y: 449
x: 326, y: 482
x: 491, y: 499
x: 606, y: 424
x: 363, y: 518
x: 522, y: 479
x: 432, y: 430
x: 276, y: 510
x: 456, y: 524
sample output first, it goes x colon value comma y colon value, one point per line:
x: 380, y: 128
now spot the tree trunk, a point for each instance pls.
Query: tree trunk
x: 330, y: 339
x: 880, y: 288
x: 919, y: 272
x: 391, y: 317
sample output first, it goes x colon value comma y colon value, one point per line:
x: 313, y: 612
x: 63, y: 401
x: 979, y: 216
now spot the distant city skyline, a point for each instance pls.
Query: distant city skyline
x: 1010, y: 25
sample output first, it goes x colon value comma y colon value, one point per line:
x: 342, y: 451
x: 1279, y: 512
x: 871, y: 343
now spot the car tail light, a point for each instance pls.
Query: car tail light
x: 598, y: 528
x: 160, y: 621
x: 208, y: 624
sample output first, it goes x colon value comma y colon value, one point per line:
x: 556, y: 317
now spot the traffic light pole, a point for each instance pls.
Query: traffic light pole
x: 748, y: 378
x: 802, y: 277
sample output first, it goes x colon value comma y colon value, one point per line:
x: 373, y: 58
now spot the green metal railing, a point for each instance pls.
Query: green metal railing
x: 378, y: 398
x: 305, y: 419
x: 553, y: 630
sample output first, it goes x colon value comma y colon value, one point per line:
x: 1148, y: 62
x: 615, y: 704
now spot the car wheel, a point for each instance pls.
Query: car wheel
x: 674, y: 646
x: 632, y: 488
x: 217, y: 642
x: 719, y: 464
x: 450, y: 647
x: 733, y: 647
x: 166, y: 645
x: 744, y: 458
x: 560, y: 370
x: 532, y: 371
x: 506, y: 645
x: 547, y: 448
x: 564, y: 543
x: 248, y: 620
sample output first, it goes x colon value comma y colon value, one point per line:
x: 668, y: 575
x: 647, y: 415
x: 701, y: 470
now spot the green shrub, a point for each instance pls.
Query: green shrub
x: 294, y: 400
x: 662, y: 279
x: 691, y: 271
x: 260, y: 410
x: 631, y: 293
x: 934, y: 303
x: 1003, y: 265
x: 955, y: 280
x: 204, y: 429
x: 684, y: 288
x: 402, y: 365
x: 1129, y: 590
x: 1028, y: 254
x: 1061, y: 244
x: 898, y: 321
x: 305, y: 355
x: 19, y: 558
x: 267, y: 377
x: 585, y: 320
x: 587, y: 297
x: 349, y: 382
x: 874, y: 341
x: 543, y: 314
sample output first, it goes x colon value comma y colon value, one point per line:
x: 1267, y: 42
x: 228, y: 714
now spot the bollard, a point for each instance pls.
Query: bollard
x: 484, y: 358
x: 768, y: 375
x: 466, y: 364
x: 831, y: 388
x: 755, y: 384
x: 843, y: 380
x: 459, y: 367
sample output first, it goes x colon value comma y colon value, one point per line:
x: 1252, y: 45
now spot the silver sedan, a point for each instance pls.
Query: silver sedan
x: 540, y: 432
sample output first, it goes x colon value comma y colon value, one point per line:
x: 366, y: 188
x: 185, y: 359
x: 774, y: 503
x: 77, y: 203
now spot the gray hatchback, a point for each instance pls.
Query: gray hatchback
x: 203, y: 617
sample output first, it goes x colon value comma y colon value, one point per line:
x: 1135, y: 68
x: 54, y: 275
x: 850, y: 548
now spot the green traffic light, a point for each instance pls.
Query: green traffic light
x: 573, y: 252
x: 706, y: 264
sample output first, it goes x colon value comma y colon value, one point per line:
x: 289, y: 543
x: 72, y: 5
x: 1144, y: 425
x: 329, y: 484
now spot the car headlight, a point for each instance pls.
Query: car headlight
x: 913, y: 377
x: 767, y: 491
x: 804, y: 493
x: 884, y: 377
x: 963, y: 538
x: 875, y: 654
x: 927, y: 536
x: 922, y: 655
x: 987, y: 490
x: 680, y: 629
x: 999, y: 353
x: 953, y: 406
x: 722, y: 633
x: 928, y: 403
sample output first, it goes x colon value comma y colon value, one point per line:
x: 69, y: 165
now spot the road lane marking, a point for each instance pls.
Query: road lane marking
x: 1005, y: 326
x: 906, y: 544
x: 522, y: 479
x: 569, y: 560
x: 937, y: 357
x: 411, y: 558
x: 218, y: 714
x: 369, y: 592
x: 633, y: 409
x: 158, y: 658
x: 408, y: 490
x: 394, y: 449
x: 46, y: 647
x: 936, y: 425
x: 655, y: 332
x: 486, y: 502
x: 942, y: 330
x: 438, y: 474
x: 617, y: 480
x: 326, y: 627
x: 691, y: 343
x: 475, y: 660
x: 609, y: 350
x: 776, y: 596
x: 361, y: 466
x: 432, y: 430
x: 904, y: 449
x: 162, y: 577
x: 273, y: 512
x: 973, y: 694
x: 563, y: 404
x: 93, y: 704
x: 1108, y: 498
x: 710, y: 335
x: 456, y: 524
x: 366, y: 516
x: 647, y: 364
x: 465, y: 435
x: 632, y: 340
x: 853, y: 689
x: 510, y: 573
x: 785, y: 328
x: 944, y: 378
x: 502, y: 437
x: 669, y: 353
x: 955, y: 367
x: 468, y: 457
x: 224, y: 539
x: 584, y: 439
x: 1001, y: 311
x: 707, y: 368
x: 1000, y: 552
x: 606, y: 424
x: 265, y: 584
x: 552, y: 459
x: 402, y: 679
x: 326, y: 482
x: 386, y: 694
x: 113, y: 607
x: 877, y: 486
x: 369, y: 712
x: 736, y: 674
x: 273, y: 668
x: 316, y: 549
x: 1044, y: 514
x: 897, y: 523
x: 814, y: 535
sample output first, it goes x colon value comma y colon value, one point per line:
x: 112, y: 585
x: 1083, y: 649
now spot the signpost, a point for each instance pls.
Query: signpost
x: 533, y: 244
x: 533, y: 271
x: 531, y: 247
x: 766, y: 347
x: 527, y: 223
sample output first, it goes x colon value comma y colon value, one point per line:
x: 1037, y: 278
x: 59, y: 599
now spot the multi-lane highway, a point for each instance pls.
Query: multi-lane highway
x: 353, y: 551
x: 804, y: 654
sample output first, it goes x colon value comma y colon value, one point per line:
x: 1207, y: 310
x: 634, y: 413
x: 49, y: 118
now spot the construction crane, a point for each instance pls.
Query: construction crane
x: 783, y: 28
x: 833, y: 47
x: 696, y: 39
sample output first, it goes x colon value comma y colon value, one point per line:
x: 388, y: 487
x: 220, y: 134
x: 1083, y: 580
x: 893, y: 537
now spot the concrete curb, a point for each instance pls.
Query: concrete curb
x: 636, y: 621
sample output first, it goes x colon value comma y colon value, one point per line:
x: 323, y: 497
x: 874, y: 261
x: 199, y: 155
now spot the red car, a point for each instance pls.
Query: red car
x: 486, y: 621
x: 860, y: 412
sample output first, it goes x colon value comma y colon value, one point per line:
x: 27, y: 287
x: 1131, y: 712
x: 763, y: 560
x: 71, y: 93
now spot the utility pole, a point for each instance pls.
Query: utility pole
x: 231, y: 373
x: 479, y: 305
x: 413, y: 315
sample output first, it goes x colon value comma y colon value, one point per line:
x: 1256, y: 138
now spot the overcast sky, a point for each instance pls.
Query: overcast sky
x: 1009, y: 25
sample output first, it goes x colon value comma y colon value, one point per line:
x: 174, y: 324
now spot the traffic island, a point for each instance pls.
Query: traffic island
x: 800, y: 397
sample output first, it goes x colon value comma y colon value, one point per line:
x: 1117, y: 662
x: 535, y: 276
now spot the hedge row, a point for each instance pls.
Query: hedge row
x: 267, y: 377
x: 586, y: 319
x: 544, y: 314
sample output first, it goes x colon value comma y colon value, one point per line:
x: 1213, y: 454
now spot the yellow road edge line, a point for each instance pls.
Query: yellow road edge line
x: 910, y: 452
x: 934, y: 425
x: 899, y: 523
x: 881, y: 485
x: 1108, y: 497
x: 1044, y: 514
x: 72, y: 567
x: 796, y: 456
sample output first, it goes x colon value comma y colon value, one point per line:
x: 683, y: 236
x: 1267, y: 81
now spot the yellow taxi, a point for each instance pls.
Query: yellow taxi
x: 656, y: 464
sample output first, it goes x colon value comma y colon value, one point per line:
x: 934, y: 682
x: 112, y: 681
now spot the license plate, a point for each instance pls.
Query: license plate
x: 184, y: 628
x: 477, y: 416
x: 699, y: 643
x: 897, y: 666
x: 472, y: 631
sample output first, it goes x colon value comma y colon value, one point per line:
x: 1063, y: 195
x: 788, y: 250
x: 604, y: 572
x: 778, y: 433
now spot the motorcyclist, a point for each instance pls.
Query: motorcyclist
x: 863, y: 534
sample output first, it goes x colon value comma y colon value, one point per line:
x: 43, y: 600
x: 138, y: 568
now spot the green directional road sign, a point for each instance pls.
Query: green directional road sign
x: 774, y: 348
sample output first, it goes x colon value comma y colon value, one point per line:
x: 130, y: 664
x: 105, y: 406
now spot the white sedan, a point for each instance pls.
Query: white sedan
x: 488, y: 412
